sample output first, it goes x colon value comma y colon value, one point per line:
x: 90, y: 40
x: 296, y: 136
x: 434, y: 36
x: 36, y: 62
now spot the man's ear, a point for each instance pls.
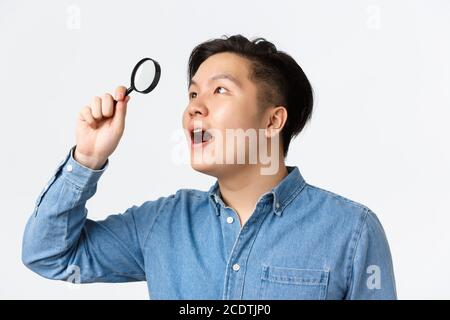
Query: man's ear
x: 276, y: 119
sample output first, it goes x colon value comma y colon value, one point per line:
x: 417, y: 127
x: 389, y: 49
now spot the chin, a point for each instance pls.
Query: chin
x: 203, y: 160
x: 206, y: 168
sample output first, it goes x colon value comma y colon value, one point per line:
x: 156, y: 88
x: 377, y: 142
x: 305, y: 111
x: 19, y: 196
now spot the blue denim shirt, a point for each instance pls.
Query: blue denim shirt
x: 301, y: 242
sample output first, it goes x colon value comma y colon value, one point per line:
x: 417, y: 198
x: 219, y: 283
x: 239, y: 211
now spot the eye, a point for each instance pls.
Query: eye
x: 192, y: 95
x: 218, y: 90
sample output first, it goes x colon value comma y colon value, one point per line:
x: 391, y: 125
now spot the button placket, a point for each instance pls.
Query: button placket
x: 234, y: 285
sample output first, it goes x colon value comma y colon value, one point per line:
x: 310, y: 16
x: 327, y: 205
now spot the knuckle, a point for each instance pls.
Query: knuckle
x: 96, y: 101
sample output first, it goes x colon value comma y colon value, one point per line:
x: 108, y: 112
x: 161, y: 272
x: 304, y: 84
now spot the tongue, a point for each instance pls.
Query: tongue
x: 201, y: 136
x: 206, y: 136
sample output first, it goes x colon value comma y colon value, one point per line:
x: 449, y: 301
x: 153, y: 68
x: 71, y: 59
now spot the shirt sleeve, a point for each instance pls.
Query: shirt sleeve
x: 60, y: 243
x: 372, y: 274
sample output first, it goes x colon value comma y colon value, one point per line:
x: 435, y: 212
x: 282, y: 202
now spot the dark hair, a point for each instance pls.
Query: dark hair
x: 281, y: 79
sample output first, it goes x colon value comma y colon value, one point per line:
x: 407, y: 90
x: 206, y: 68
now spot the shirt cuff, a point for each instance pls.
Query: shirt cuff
x: 78, y: 174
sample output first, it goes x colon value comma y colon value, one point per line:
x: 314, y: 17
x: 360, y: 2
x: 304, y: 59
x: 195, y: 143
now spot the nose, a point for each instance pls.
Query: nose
x: 196, y: 109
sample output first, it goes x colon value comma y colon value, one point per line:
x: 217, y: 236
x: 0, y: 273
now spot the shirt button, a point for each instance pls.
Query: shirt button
x: 69, y: 168
x: 230, y: 219
x: 236, y: 267
x: 277, y: 205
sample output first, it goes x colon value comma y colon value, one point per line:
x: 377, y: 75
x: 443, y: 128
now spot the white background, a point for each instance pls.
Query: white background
x: 379, y: 133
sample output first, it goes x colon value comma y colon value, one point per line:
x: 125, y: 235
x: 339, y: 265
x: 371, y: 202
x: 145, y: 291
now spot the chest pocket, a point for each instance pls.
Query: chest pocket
x: 293, y: 284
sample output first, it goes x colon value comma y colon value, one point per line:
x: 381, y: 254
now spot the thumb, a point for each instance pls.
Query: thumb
x: 120, y: 113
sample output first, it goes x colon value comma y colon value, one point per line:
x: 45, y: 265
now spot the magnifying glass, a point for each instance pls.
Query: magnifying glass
x: 144, y: 77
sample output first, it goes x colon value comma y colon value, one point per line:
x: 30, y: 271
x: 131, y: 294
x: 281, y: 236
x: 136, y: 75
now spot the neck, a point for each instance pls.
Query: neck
x: 246, y: 185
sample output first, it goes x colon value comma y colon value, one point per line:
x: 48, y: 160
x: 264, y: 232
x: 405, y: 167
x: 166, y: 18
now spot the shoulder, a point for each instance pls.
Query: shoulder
x: 334, y: 199
x: 170, y: 208
x: 344, y: 212
x: 186, y: 198
x: 337, y: 210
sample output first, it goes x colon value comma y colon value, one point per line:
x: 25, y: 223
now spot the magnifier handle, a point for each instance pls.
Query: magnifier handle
x: 129, y: 90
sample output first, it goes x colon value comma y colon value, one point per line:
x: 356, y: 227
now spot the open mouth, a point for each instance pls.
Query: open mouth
x: 200, y: 137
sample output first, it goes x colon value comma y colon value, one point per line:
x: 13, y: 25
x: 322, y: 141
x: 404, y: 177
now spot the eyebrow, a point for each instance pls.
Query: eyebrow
x: 225, y: 76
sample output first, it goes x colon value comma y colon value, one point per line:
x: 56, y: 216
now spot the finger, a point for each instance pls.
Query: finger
x: 96, y: 107
x: 120, y: 114
x: 107, y: 105
x: 86, y: 114
x: 120, y: 93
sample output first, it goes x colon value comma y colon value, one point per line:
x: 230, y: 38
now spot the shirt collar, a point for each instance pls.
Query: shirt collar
x: 283, y: 193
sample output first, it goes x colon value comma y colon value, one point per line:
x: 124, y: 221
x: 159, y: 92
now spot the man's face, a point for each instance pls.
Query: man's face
x: 221, y: 97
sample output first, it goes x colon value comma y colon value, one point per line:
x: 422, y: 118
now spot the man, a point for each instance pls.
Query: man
x: 260, y: 232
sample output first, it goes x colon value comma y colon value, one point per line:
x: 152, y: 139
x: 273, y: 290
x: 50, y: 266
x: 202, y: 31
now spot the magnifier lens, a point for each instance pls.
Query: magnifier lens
x: 145, y: 74
x: 144, y: 77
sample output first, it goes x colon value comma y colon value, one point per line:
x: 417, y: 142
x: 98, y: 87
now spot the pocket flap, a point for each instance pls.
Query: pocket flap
x: 295, y: 276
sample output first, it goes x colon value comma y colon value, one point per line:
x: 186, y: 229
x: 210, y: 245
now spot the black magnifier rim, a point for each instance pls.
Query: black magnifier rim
x: 155, y: 79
